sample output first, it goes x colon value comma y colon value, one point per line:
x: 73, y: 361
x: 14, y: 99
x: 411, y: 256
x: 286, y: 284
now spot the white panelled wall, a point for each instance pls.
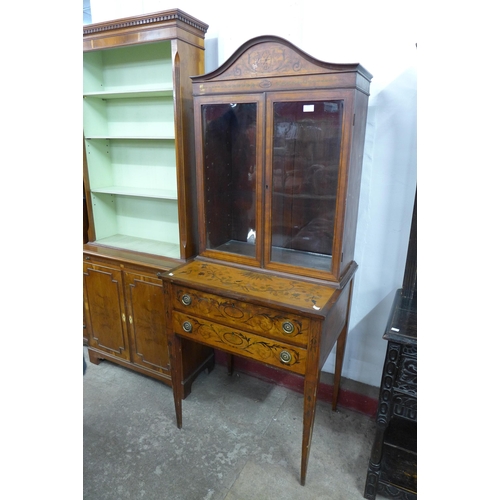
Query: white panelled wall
x: 382, y: 37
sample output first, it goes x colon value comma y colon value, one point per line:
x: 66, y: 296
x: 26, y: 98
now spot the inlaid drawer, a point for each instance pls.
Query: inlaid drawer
x: 239, y: 342
x: 269, y: 322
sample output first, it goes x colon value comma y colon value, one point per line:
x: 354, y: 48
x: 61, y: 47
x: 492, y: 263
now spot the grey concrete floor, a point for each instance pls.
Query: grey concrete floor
x: 241, y: 440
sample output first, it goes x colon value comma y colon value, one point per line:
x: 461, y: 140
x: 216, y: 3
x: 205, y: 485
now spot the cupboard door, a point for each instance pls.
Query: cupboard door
x: 146, y: 320
x: 105, y: 310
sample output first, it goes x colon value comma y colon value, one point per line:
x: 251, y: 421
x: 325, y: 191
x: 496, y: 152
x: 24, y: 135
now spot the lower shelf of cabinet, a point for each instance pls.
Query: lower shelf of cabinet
x: 399, y: 468
x: 142, y: 245
x: 393, y: 466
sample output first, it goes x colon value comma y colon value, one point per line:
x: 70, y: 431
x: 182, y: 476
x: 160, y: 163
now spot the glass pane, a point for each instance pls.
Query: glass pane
x: 229, y: 175
x: 306, y: 155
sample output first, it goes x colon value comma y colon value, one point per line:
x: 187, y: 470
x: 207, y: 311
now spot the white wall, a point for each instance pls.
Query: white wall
x: 382, y: 37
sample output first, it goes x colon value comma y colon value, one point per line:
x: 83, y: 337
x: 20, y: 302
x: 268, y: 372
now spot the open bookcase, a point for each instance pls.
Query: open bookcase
x: 139, y: 183
x: 138, y: 171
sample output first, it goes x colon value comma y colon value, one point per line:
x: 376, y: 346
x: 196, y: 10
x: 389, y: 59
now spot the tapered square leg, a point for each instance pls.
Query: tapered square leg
x: 310, y: 396
x: 175, y: 351
x: 339, y: 360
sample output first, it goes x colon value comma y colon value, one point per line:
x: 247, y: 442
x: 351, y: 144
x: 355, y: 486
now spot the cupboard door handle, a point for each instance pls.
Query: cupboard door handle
x: 130, y: 319
x: 288, y: 327
x: 285, y: 357
x: 187, y: 326
x: 124, y: 319
x: 186, y: 299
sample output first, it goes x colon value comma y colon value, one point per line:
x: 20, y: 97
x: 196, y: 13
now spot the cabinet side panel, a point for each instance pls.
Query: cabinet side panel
x: 188, y: 61
x: 88, y: 215
x: 354, y: 181
x: 335, y: 322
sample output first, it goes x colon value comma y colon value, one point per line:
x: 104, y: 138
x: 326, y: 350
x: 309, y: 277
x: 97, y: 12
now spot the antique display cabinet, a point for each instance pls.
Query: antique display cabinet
x: 279, y: 147
x: 138, y: 184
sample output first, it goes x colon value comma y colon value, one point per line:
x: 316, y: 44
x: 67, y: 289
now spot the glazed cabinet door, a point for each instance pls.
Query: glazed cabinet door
x: 146, y: 320
x: 306, y: 175
x: 105, y: 311
x: 230, y: 177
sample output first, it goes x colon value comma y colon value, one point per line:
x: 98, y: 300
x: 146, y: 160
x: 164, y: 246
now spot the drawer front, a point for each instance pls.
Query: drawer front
x: 272, y: 323
x: 241, y: 343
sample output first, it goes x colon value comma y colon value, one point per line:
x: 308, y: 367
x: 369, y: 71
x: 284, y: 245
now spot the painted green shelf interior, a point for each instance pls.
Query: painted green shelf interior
x: 142, y: 117
x: 136, y: 223
x: 129, y: 129
x: 134, y: 167
x: 143, y: 67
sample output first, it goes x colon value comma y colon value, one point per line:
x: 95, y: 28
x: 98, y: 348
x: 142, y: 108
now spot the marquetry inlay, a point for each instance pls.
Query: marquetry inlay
x: 260, y: 285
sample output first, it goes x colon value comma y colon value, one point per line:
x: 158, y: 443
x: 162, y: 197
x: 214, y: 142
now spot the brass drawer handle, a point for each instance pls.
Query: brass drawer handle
x: 187, y: 326
x: 285, y: 357
x: 186, y: 299
x: 288, y: 327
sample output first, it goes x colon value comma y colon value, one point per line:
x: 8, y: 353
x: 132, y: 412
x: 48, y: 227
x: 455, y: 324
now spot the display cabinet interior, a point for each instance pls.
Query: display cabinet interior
x: 280, y: 143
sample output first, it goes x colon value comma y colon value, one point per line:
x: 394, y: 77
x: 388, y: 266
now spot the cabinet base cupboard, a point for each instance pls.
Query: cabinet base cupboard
x: 138, y: 172
x: 124, y: 307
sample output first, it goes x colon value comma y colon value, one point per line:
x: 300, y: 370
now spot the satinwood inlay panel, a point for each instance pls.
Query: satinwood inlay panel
x: 240, y: 342
x: 274, y: 289
x: 261, y: 320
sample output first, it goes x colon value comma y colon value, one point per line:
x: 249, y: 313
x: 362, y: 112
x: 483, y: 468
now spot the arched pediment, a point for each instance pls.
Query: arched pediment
x: 271, y: 56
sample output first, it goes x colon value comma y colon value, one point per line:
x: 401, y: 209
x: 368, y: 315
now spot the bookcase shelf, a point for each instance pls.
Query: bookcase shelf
x: 129, y: 117
x: 160, y: 92
x: 147, y: 218
x: 144, y: 193
x: 138, y: 67
x: 141, y: 245
x: 134, y: 167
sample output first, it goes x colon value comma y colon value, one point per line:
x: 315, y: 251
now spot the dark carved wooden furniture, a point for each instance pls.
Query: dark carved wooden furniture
x: 279, y: 148
x: 139, y: 185
x: 392, y: 470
